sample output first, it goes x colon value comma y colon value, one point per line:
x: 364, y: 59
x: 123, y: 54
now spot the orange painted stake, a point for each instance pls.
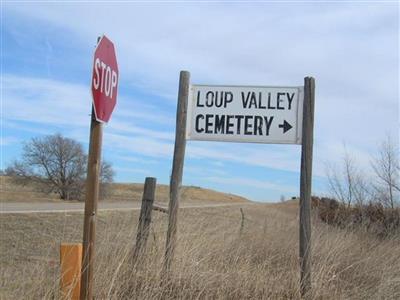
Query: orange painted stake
x: 71, y: 262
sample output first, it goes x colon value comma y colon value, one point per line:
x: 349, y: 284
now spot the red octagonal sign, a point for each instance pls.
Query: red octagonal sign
x: 104, y: 80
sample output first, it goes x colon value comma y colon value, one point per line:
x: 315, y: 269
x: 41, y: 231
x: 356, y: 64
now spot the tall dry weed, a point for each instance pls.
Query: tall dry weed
x: 214, y: 260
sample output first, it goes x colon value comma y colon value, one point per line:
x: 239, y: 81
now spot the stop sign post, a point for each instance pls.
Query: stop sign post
x: 104, y: 86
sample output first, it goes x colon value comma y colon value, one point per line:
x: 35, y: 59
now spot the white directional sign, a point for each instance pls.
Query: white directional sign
x: 270, y: 115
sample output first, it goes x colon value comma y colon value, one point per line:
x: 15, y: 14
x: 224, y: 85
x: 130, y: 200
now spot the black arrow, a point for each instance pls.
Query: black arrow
x: 286, y: 126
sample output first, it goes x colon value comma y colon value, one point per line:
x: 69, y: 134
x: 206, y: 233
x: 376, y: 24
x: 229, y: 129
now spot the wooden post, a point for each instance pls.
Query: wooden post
x: 177, y: 167
x: 242, y: 221
x: 70, y: 261
x: 92, y: 195
x: 145, y: 217
x: 305, y: 186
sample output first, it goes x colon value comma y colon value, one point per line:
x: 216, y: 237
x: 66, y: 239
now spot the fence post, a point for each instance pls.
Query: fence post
x: 177, y: 167
x: 70, y: 262
x: 145, y: 217
x: 241, y: 221
x: 305, y: 187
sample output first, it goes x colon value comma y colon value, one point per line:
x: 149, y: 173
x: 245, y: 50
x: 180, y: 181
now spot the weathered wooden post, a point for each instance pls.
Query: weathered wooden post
x: 305, y: 186
x: 177, y: 168
x: 145, y: 217
x: 92, y: 196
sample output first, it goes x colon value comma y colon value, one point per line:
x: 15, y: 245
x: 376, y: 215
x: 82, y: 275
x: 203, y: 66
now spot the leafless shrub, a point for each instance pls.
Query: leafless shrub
x: 347, y: 182
x: 386, y: 167
x: 374, y: 217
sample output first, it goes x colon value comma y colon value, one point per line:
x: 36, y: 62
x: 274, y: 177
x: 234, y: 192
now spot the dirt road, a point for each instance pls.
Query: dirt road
x: 51, y: 207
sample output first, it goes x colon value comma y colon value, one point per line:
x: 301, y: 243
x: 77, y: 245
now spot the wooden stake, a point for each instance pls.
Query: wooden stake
x: 70, y: 261
x: 92, y: 195
x: 177, y: 168
x: 241, y: 222
x: 145, y: 217
x: 305, y: 186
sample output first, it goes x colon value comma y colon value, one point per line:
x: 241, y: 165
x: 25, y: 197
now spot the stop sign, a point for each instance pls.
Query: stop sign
x: 104, y: 80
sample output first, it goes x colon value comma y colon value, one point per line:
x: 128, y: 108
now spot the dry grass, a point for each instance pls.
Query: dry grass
x: 11, y: 192
x: 213, y: 261
x: 192, y: 194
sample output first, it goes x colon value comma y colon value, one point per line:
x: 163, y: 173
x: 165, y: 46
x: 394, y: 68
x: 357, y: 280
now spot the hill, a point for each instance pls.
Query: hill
x: 11, y: 192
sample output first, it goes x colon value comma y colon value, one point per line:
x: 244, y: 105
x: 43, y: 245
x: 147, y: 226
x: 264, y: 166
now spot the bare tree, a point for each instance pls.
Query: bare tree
x: 347, y: 182
x: 57, y: 164
x: 386, y: 168
x: 20, y: 172
x: 106, y: 178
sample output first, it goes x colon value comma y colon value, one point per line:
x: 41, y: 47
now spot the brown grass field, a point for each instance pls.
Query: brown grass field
x: 213, y: 260
x: 11, y: 192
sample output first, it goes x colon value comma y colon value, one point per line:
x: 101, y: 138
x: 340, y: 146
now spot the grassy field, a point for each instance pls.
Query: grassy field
x: 214, y: 260
x: 11, y: 192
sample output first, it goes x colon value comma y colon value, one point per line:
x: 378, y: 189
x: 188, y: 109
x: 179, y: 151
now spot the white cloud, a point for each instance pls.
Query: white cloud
x: 26, y: 128
x: 127, y: 127
x: 134, y: 159
x: 9, y: 140
x: 138, y: 144
x: 253, y: 183
x: 268, y: 156
x: 353, y: 52
x: 133, y: 170
x: 201, y: 171
x: 144, y: 113
x: 45, y: 101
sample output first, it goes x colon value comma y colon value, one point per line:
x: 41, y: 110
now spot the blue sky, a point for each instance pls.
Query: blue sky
x: 350, y: 48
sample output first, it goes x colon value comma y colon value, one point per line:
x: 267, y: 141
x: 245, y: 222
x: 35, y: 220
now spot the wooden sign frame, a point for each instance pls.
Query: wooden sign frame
x: 305, y: 177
